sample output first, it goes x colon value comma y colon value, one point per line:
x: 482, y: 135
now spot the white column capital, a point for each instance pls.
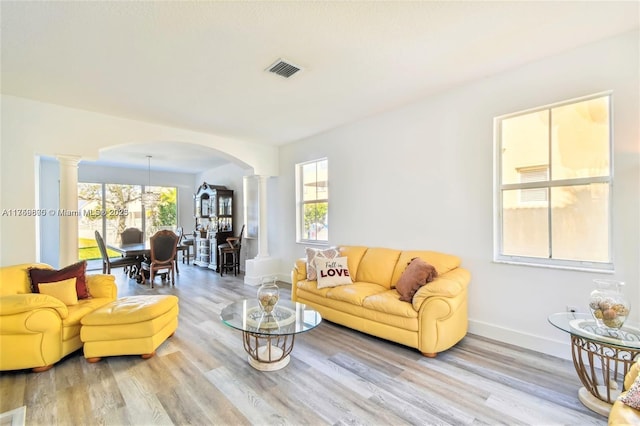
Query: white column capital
x: 68, y: 160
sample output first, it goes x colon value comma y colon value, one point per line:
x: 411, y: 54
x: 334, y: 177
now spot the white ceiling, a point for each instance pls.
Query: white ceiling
x: 201, y: 65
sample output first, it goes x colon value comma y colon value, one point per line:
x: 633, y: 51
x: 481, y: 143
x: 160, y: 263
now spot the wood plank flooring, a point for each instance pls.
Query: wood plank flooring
x: 337, y: 376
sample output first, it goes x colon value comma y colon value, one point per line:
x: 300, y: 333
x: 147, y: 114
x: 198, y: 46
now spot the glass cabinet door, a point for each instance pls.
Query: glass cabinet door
x: 224, y: 206
x: 205, y: 204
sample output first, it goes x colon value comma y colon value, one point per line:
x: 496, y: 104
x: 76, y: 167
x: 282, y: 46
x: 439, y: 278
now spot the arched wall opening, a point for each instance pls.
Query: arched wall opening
x: 34, y: 130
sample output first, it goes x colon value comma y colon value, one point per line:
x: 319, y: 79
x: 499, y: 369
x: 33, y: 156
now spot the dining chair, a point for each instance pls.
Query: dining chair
x: 132, y: 236
x: 185, y: 243
x: 229, y: 254
x: 163, y: 246
x: 116, y: 262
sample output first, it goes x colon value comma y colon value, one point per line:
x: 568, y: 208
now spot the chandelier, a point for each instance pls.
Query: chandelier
x: 149, y: 198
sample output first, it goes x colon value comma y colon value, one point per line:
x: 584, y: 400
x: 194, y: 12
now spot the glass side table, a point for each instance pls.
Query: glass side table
x: 601, y: 357
x: 268, y: 338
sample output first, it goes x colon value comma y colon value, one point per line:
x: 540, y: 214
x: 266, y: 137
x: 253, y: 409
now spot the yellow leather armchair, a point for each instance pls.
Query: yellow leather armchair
x: 37, y: 330
x: 622, y: 414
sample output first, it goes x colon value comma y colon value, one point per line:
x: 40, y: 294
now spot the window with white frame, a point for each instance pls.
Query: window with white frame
x: 312, y: 201
x: 553, y: 185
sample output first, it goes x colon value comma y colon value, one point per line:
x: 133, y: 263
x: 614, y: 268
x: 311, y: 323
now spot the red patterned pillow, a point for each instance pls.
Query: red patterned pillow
x: 77, y: 271
x: 312, y: 255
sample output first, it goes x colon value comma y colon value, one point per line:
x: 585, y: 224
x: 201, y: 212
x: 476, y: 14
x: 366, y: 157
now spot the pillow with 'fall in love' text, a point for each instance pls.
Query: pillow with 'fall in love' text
x: 332, y: 272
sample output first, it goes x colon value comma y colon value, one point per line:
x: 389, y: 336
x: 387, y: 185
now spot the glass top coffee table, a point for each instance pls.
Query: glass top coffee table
x: 268, y: 338
x: 600, y: 355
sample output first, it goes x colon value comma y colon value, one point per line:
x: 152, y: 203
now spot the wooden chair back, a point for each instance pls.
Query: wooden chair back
x: 132, y: 236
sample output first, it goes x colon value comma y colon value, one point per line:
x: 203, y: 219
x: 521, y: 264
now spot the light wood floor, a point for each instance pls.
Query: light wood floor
x: 336, y: 376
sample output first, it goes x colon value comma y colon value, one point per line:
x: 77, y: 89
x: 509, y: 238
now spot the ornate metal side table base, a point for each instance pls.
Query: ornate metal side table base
x: 601, y: 368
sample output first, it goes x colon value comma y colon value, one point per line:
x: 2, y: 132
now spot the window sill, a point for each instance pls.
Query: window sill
x: 563, y: 267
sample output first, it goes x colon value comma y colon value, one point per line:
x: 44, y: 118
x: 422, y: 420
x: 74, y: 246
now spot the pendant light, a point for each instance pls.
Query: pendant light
x: 149, y: 198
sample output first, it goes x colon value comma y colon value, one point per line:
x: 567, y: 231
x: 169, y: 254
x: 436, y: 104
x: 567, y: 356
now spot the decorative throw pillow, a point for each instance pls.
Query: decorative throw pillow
x: 332, y: 272
x: 632, y: 397
x: 77, y: 271
x: 64, y: 290
x: 417, y: 274
x: 312, y: 255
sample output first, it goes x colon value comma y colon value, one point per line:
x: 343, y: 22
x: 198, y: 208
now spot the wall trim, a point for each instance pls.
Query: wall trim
x: 557, y: 348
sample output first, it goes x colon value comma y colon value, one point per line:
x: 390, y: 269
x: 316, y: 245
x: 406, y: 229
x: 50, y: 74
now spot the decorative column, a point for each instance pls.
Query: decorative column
x: 263, y: 265
x: 68, y: 210
x: 263, y: 239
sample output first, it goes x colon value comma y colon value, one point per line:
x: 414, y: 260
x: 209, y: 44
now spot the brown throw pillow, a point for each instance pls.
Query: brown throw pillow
x: 417, y: 274
x: 77, y: 271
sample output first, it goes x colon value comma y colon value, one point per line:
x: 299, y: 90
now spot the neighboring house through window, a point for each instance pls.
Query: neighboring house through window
x: 553, y: 185
x: 312, y: 196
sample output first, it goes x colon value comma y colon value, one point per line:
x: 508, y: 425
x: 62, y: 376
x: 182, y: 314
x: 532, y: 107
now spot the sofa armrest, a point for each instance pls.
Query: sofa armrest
x: 20, y: 303
x: 450, y: 284
x: 299, y: 272
x: 102, y: 286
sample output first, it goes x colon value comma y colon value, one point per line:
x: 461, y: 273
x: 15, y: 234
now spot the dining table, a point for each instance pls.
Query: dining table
x: 141, y: 251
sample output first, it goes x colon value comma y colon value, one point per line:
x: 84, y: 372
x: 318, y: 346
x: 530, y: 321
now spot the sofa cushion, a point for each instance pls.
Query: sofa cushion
x: 77, y: 270
x: 312, y: 255
x: 441, y: 261
x: 312, y: 287
x: 354, y: 293
x: 416, y: 274
x: 332, y: 272
x: 354, y: 255
x: 377, y: 266
x: 388, y: 302
x: 64, y: 291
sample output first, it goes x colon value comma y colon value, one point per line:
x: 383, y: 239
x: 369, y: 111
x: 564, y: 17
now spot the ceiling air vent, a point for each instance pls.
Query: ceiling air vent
x: 284, y: 68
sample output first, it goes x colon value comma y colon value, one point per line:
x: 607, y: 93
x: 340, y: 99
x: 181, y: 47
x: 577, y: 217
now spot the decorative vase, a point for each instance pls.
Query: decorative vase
x: 268, y: 295
x: 608, y: 305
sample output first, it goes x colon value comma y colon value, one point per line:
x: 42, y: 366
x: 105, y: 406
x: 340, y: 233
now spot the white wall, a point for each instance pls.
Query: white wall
x: 31, y: 129
x: 421, y: 177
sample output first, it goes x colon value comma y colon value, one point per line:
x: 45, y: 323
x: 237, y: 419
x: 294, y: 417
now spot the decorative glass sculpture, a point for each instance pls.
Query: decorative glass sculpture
x: 608, y: 305
x: 268, y: 295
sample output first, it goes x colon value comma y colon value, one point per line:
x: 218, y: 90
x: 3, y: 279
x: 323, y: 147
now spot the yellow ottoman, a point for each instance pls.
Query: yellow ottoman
x: 134, y: 325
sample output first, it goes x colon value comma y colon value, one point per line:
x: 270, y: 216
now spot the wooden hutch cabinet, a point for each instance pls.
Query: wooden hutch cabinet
x: 213, y: 210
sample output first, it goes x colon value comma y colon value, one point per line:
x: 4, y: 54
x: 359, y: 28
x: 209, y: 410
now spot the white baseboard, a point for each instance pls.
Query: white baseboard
x: 557, y: 348
x: 560, y: 349
x: 14, y: 417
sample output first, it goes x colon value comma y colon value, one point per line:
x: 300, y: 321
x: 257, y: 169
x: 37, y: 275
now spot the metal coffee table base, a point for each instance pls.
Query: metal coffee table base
x: 268, y: 352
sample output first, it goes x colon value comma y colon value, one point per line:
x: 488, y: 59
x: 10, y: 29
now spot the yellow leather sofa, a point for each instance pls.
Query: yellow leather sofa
x: 622, y: 414
x: 37, y: 330
x: 434, y: 321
